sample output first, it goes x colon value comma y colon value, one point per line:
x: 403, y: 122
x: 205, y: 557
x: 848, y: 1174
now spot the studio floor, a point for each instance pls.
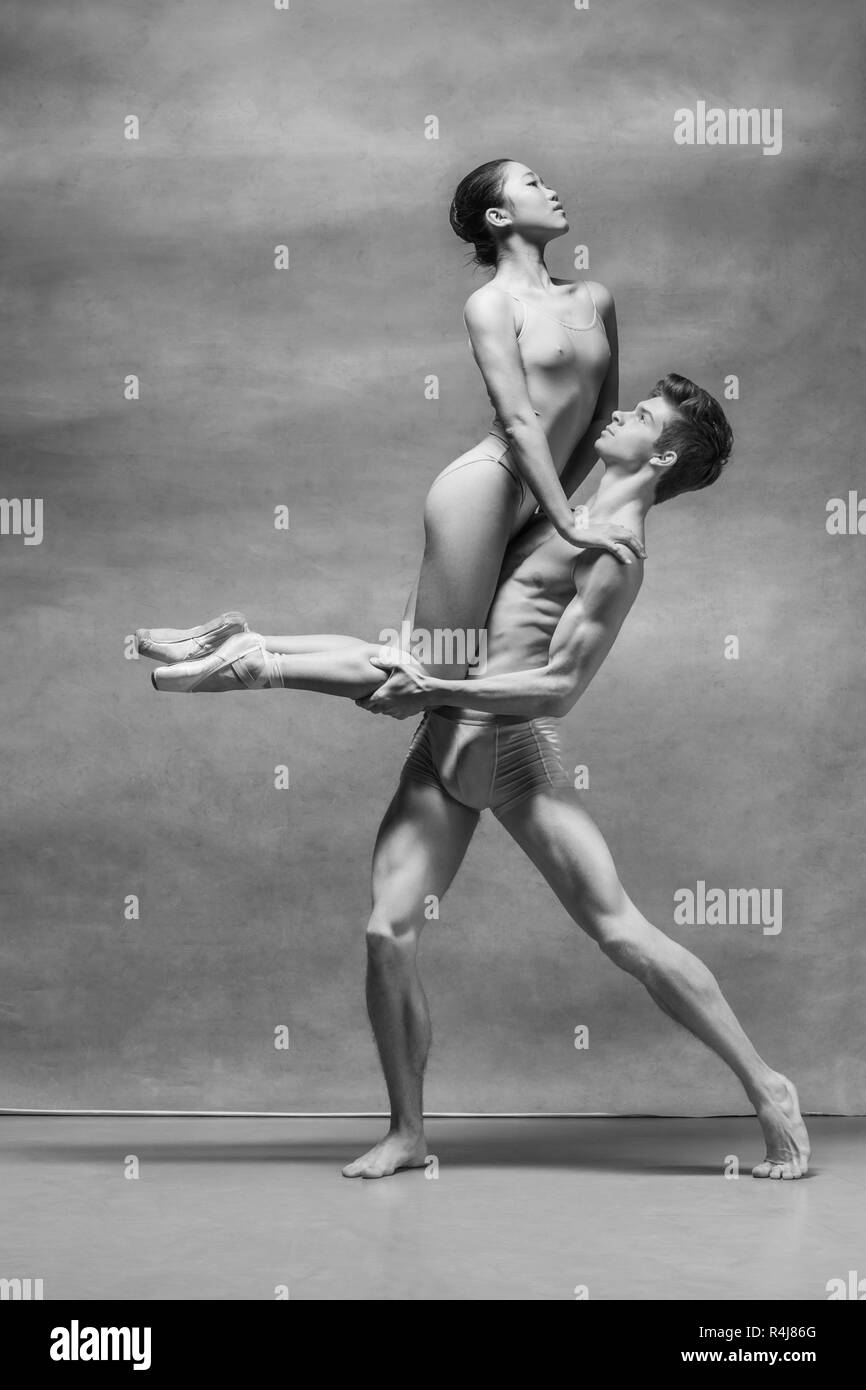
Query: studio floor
x: 231, y: 1208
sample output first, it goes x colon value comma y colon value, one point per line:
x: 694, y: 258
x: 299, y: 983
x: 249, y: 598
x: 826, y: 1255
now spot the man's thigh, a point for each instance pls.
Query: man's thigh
x: 567, y: 847
x: 419, y: 848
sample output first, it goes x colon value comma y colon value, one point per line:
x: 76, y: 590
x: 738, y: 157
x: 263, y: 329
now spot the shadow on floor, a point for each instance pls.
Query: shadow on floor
x: 607, y: 1154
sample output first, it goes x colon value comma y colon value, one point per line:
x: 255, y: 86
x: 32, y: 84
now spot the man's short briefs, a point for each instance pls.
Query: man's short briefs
x: 485, y: 760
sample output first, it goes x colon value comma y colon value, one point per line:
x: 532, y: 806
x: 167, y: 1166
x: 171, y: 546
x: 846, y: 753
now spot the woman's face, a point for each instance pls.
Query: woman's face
x: 533, y: 207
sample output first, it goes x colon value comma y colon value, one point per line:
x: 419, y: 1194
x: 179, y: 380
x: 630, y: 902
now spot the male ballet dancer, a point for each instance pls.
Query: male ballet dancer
x: 489, y: 741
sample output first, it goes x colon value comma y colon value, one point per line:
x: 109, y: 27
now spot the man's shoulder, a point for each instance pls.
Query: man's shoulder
x: 606, y: 585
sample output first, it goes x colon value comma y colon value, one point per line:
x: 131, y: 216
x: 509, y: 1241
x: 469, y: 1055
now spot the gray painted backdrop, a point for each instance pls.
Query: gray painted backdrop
x: 305, y: 387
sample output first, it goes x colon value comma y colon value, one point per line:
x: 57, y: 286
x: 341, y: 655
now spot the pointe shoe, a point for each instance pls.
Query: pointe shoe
x: 246, y: 654
x: 170, y: 644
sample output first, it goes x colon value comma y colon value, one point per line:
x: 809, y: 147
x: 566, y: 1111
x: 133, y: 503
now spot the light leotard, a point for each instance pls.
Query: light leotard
x: 565, y: 366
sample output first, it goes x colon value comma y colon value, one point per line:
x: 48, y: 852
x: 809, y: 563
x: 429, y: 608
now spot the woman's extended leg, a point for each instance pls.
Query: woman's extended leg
x: 469, y: 517
x: 295, y: 644
x: 245, y: 662
x: 168, y: 645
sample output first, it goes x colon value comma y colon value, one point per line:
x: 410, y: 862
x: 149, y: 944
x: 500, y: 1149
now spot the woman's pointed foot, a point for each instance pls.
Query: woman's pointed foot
x: 241, y: 663
x: 171, y: 644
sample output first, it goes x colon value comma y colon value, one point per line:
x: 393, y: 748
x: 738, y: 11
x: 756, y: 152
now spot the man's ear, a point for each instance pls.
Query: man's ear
x: 664, y: 460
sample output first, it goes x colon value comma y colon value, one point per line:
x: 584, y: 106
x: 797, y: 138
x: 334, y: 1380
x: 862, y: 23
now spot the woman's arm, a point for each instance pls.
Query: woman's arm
x: 584, y: 458
x: 490, y: 321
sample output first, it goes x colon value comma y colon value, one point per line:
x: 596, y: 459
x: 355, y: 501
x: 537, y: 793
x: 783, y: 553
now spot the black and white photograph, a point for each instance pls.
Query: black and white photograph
x: 472, y: 393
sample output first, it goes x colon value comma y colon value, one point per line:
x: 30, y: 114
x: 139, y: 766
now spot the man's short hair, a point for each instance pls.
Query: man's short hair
x: 702, y: 439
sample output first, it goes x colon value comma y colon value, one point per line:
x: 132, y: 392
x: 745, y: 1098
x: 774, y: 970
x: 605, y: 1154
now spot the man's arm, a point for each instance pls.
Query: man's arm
x: 582, y: 639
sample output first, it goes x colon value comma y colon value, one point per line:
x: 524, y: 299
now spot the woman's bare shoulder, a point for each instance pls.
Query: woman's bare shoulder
x: 488, y: 305
x: 601, y: 294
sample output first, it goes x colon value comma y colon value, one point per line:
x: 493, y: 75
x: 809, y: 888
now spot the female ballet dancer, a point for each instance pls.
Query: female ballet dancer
x: 547, y: 350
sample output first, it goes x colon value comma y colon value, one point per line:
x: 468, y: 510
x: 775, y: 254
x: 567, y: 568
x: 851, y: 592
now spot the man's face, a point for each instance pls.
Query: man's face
x: 630, y: 438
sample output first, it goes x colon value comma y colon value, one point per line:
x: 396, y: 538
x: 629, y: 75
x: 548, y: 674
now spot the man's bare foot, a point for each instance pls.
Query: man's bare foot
x: 784, y: 1132
x: 394, y: 1152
